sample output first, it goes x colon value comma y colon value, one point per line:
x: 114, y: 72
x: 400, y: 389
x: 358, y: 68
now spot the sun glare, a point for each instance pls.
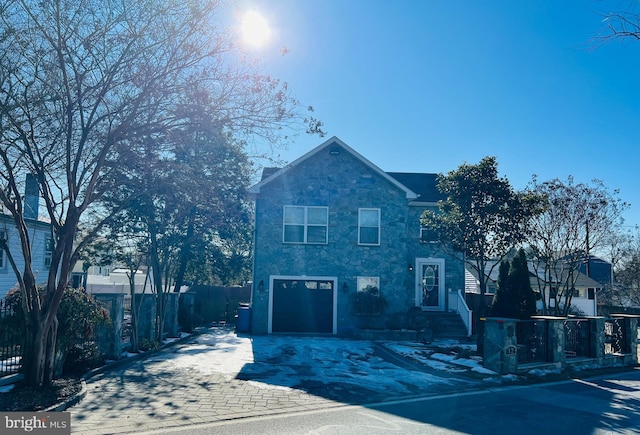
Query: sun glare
x: 255, y: 30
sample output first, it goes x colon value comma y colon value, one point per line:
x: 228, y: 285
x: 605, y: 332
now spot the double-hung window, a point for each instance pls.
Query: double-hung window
x: 48, y: 251
x: 428, y: 235
x: 369, y: 226
x: 3, y: 237
x: 303, y: 224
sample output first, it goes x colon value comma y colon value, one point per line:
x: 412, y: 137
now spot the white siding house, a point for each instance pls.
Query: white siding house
x: 39, y: 234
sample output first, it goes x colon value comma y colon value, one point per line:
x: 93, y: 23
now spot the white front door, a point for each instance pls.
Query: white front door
x: 430, y: 294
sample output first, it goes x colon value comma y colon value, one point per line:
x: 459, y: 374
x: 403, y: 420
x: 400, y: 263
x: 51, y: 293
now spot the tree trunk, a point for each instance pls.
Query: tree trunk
x: 157, y: 281
x: 185, y: 252
x: 39, y: 351
x: 135, y: 312
x: 34, y: 353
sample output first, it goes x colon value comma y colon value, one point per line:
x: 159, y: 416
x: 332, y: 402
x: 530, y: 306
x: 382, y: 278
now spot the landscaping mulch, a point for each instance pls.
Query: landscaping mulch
x: 23, y: 397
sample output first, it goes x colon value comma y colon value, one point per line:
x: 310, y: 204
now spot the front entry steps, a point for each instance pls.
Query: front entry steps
x: 445, y: 325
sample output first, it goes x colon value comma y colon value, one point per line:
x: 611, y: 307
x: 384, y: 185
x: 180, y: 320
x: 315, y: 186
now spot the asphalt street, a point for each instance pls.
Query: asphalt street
x: 603, y: 405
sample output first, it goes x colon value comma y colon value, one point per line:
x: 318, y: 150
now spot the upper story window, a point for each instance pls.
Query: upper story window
x: 428, y: 235
x: 3, y: 236
x: 48, y: 251
x: 304, y: 224
x: 369, y: 226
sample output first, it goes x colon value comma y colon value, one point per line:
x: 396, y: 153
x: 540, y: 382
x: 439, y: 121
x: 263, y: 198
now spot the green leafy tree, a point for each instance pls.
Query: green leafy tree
x: 514, y: 297
x: 184, y: 202
x: 80, y: 83
x: 482, y: 216
x: 503, y: 301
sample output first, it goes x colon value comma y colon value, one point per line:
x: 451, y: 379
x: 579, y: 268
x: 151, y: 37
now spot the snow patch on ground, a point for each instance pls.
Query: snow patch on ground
x: 6, y: 388
x: 287, y: 362
x: 450, y: 362
x: 502, y: 379
x: 544, y: 372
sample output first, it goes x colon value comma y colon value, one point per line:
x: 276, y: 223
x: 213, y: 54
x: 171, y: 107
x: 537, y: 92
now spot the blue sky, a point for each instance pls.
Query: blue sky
x: 423, y: 86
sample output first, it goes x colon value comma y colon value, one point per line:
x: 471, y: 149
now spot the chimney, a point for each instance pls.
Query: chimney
x: 31, y: 197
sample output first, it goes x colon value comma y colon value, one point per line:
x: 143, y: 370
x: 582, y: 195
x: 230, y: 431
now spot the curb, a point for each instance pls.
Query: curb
x: 62, y: 406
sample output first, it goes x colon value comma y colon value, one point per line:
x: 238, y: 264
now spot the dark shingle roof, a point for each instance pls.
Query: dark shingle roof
x: 425, y: 185
x: 267, y: 172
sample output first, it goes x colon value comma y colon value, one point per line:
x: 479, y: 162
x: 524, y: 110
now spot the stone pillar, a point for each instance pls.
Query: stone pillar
x: 633, y: 339
x: 109, y: 337
x: 555, y: 331
x: 597, y: 339
x: 500, y: 345
x: 171, y: 315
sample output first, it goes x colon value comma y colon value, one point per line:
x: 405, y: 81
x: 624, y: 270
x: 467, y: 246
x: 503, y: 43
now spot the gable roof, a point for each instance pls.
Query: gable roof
x: 270, y: 174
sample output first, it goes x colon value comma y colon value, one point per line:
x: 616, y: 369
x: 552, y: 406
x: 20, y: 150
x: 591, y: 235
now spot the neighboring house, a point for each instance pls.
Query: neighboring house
x: 597, y: 269
x: 584, y: 300
x: 338, y: 246
x: 41, y: 241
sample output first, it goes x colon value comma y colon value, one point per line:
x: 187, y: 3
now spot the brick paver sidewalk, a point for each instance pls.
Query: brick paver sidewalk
x: 153, y: 394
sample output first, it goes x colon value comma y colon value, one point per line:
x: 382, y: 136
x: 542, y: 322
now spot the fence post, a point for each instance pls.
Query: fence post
x: 556, y: 338
x: 633, y: 339
x: 500, y: 345
x: 597, y: 339
x: 109, y: 337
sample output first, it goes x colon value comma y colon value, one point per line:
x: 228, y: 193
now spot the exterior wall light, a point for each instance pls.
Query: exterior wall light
x: 261, y: 286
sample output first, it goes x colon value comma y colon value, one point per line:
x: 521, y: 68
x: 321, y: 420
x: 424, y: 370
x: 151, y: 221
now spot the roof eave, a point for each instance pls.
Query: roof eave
x: 255, y: 189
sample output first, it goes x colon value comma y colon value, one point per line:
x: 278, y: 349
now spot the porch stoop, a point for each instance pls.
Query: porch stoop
x: 446, y: 325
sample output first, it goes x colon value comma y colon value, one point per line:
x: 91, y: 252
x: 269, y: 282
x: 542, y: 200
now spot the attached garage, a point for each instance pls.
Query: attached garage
x: 302, y: 305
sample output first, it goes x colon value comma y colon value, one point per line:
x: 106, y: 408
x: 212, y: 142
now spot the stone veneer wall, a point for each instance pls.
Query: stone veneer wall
x: 500, y: 344
x: 343, y: 184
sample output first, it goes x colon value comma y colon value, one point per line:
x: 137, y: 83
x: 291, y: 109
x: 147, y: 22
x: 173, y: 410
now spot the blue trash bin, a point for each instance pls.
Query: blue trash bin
x: 244, y: 318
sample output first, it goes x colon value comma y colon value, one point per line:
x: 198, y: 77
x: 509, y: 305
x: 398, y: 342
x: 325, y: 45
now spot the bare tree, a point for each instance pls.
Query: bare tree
x: 578, y: 221
x: 79, y: 80
x: 625, y: 291
x: 621, y: 23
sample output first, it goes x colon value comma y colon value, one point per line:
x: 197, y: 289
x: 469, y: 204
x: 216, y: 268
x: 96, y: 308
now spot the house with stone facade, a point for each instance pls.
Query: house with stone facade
x: 338, y: 247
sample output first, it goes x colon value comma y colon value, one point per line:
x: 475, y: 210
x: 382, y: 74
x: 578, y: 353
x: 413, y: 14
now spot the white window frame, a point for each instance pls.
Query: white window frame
x: 360, y: 242
x: 3, y: 262
x: 48, y: 251
x: 423, y: 238
x: 362, y: 282
x: 305, y: 225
